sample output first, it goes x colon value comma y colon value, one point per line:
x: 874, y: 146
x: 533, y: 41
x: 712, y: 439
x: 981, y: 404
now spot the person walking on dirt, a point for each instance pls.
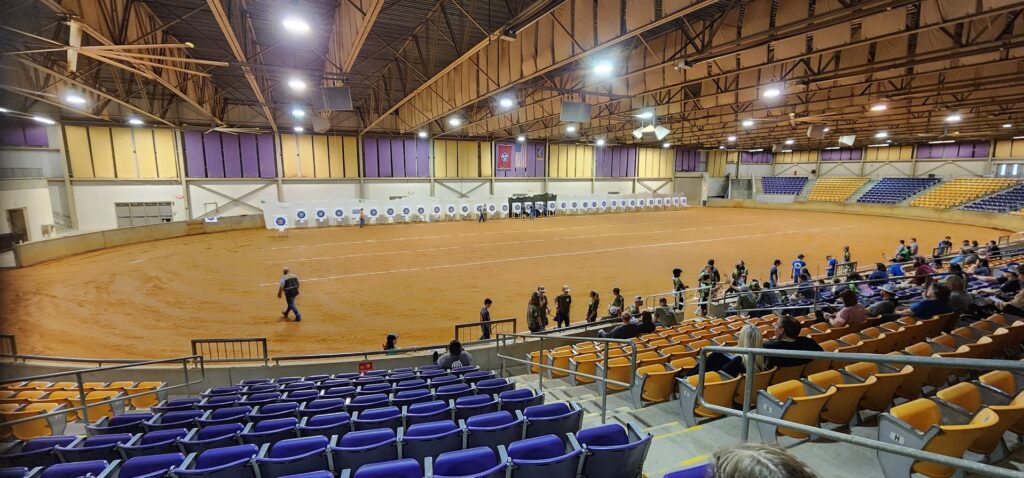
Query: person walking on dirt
x: 678, y: 288
x: 289, y: 286
x: 485, y: 320
x: 562, y: 304
x: 362, y: 218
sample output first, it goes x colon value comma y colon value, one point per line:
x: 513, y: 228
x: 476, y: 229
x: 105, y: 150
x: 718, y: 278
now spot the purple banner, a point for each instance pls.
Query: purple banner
x: 687, y: 160
x: 615, y: 161
x: 15, y: 133
x: 843, y: 154
x: 225, y: 155
x: 395, y: 157
x: 967, y: 150
x: 527, y: 160
x: 755, y: 157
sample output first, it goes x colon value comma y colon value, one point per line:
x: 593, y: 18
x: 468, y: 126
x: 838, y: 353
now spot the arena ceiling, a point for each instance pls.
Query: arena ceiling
x: 759, y: 71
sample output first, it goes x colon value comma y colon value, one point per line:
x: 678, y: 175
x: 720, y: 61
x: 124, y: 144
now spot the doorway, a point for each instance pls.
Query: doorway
x: 17, y: 224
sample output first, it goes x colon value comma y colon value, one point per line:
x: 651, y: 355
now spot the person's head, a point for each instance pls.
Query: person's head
x: 939, y: 292
x: 803, y: 278
x: 662, y: 301
x: 800, y: 256
x: 708, y: 268
x: 758, y: 460
x: 974, y: 243
x: 983, y: 262
x: 646, y: 317
x: 1010, y: 274
x: 535, y: 298
x: 846, y: 248
x: 740, y: 263
x: 887, y: 291
x: 626, y: 318
x: 787, y: 327
x: 902, y: 241
x: 487, y: 303
x: 913, y: 239
x: 879, y: 266
x: 918, y: 260
x: 615, y: 290
x: 565, y: 290
x: 991, y: 243
x: 284, y: 271
x: 455, y: 348
x: 966, y: 242
x: 711, y: 262
x: 750, y: 337
x: 828, y: 257
x: 540, y: 289
x: 848, y: 297
x: 778, y: 262
x: 854, y: 276
x: 956, y: 268
x: 360, y: 209
x: 638, y: 300
x: 391, y: 341
x: 677, y: 272
x: 593, y: 294
x: 948, y: 239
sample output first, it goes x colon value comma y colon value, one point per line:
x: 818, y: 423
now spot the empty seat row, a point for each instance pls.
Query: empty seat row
x: 1007, y: 200
x: 835, y: 188
x: 958, y: 191
x: 896, y: 190
x: 791, y: 185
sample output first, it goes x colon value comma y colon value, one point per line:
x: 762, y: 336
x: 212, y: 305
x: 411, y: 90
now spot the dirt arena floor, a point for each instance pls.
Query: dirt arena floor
x: 148, y: 300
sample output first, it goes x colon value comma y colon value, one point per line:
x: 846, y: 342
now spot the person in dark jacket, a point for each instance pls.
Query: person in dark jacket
x: 627, y: 330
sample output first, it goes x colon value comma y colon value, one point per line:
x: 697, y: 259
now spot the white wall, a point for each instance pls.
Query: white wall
x: 200, y: 197
x: 752, y: 170
x: 619, y: 186
x: 95, y: 201
x: 569, y: 187
x: 951, y: 169
x: 879, y: 170
x: 840, y: 168
x: 49, y: 159
x: 509, y: 187
x: 786, y: 169
x: 34, y: 197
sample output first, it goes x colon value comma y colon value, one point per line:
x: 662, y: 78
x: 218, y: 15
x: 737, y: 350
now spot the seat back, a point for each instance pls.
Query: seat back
x: 761, y: 381
x: 493, y: 429
x: 552, y: 419
x: 358, y: 448
x: 611, y: 453
x: 543, y: 456
x: 431, y: 439
x: 478, y: 462
x: 148, y: 466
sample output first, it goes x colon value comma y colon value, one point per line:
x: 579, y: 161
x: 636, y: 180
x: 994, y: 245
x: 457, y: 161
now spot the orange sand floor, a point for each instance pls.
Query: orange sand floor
x: 149, y: 300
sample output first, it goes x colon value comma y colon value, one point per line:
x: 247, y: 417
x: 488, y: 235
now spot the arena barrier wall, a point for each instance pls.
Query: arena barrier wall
x: 31, y: 253
x: 1007, y: 222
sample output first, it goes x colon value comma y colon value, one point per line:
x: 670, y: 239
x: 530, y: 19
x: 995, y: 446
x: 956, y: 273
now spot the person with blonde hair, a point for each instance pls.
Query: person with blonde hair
x: 758, y: 460
x: 736, y: 364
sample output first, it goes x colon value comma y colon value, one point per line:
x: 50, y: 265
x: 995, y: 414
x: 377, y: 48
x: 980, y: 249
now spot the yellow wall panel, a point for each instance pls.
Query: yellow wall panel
x: 351, y: 147
x: 102, y: 152
x: 440, y: 163
x: 1002, y: 149
x: 469, y: 156
x: 563, y: 161
x: 588, y: 162
x: 336, y: 157
x: 145, y: 153
x: 451, y: 158
x: 289, y: 155
x: 124, y: 163
x: 906, y: 152
x: 321, y: 157
x: 166, y: 162
x: 307, y: 165
x: 1017, y: 148
x: 486, y: 162
x: 79, y: 154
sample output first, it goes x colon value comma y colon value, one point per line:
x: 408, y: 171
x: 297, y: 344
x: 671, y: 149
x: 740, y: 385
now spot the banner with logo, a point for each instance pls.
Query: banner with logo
x: 505, y: 152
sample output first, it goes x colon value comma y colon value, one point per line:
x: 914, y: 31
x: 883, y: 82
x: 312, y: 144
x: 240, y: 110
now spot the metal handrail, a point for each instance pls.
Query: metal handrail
x: 945, y: 362
x: 603, y: 378
x: 187, y: 384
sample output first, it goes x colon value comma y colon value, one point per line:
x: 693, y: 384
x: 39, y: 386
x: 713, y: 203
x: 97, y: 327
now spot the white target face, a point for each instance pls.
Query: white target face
x: 300, y: 214
x: 451, y: 209
x: 374, y: 212
x: 339, y: 213
x: 406, y: 211
x: 465, y: 209
x: 321, y: 214
x: 551, y: 205
x: 604, y: 203
x: 504, y: 208
x: 491, y: 208
x: 437, y: 209
x: 660, y: 201
x: 615, y: 203
x: 575, y: 205
x: 281, y: 221
x: 517, y: 207
x: 563, y: 205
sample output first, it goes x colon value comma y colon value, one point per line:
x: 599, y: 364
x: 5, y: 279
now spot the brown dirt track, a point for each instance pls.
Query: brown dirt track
x: 148, y: 300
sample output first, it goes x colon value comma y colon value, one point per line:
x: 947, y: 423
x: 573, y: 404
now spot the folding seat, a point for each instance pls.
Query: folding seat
x: 383, y: 417
x: 619, y: 369
x: 544, y: 456
x: 227, y: 462
x: 413, y: 384
x: 653, y: 383
x: 274, y: 411
x: 468, y: 406
x: 254, y: 381
x: 217, y: 391
x: 879, y: 395
x: 442, y: 380
x: 292, y: 456
x: 938, y: 376
x: 154, y: 443
x: 346, y: 375
x: 75, y: 470
x: 269, y: 431
x: 427, y: 412
x: 316, y: 378
x: 494, y: 429
x: 375, y: 373
x: 1009, y: 383
x: 431, y: 373
x: 301, y: 396
x: 474, y: 377
x: 176, y: 405
x: 151, y: 466
x: 920, y: 424
x: 339, y: 392
x: 785, y: 374
x: 199, y: 440
x: 221, y: 416
x: 367, y: 380
x: 478, y: 462
x: 358, y: 448
x: 259, y: 399
x: 322, y: 406
x: 127, y: 423
x: 287, y: 380
x: 181, y: 419
x: 409, y: 397
x: 553, y: 418
x: 364, y: 402
x: 399, y: 377
x: 761, y: 381
x: 100, y: 404
x: 970, y: 398
x: 719, y: 389
x: 494, y: 386
x: 675, y: 352
x: 841, y: 407
x: 584, y: 363
x: 612, y: 451
x: 519, y: 399
x: 374, y: 388
x: 792, y: 401
x: 35, y: 452
x: 331, y: 383
x: 327, y: 424
x: 260, y: 388
x: 430, y: 439
x: 218, y: 401
x: 452, y: 392
x: 98, y: 447
x: 460, y: 371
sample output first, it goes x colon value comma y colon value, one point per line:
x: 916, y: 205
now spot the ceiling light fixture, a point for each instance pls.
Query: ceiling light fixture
x: 721, y: 147
x: 295, y: 25
x: 666, y: 145
x: 455, y: 121
x: 771, y: 92
x: 790, y: 141
x: 953, y: 118
x: 1007, y: 125
x: 298, y: 113
x: 832, y: 147
x: 942, y: 141
x: 730, y: 139
x: 879, y: 107
x: 747, y: 123
x: 599, y: 142
x: 74, y: 98
x: 882, y: 134
x: 296, y: 84
x: 603, y: 68
x: 645, y: 115
x: 43, y: 120
x: 298, y: 129
x: 570, y: 129
x: 422, y: 134
x: 880, y: 145
x: 506, y: 103
x: 826, y: 130
x: 787, y: 151
x: 521, y: 138
x: 135, y: 122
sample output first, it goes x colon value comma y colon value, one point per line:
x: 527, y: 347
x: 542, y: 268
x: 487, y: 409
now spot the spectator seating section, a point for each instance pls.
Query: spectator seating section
x: 835, y: 188
x: 895, y: 190
x: 1011, y: 199
x: 955, y: 192
x: 791, y: 185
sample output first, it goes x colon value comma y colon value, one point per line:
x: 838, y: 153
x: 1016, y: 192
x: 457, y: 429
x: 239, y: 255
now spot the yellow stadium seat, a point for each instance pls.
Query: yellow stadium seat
x: 785, y: 374
x: 66, y: 398
x: 972, y: 398
x: 44, y: 426
x: 842, y: 407
x: 719, y: 389
x: 5, y: 408
x: 919, y: 424
x: 654, y: 384
x: 96, y: 409
x: 20, y: 387
x: 117, y: 386
x: 650, y: 358
x: 146, y: 400
x: 585, y: 363
x: 760, y: 382
x: 960, y: 191
x: 559, y: 359
x: 24, y: 396
x: 1008, y: 382
x: 879, y: 396
x: 835, y: 188
x: 791, y: 401
x: 619, y: 369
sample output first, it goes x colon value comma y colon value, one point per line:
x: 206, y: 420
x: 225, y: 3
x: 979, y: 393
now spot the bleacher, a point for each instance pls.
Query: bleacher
x: 1011, y: 199
x: 791, y: 185
x: 836, y: 188
x: 955, y: 192
x: 896, y: 190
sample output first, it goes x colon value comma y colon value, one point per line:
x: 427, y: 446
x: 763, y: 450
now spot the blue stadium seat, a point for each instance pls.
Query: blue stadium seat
x: 358, y: 448
x: 545, y: 456
x: 124, y: 423
x: 322, y: 406
x: 218, y: 401
x: 895, y: 190
x: 373, y: 389
x: 346, y: 375
x: 291, y: 456
x: 312, y: 474
x: 222, y: 416
x: 494, y: 429
x: 429, y: 439
x: 395, y: 378
x: 75, y: 470
x: 316, y: 378
x: 442, y: 380
x: 200, y: 440
x: 287, y: 380
x: 255, y: 381
x: 790, y: 185
x: 217, y: 391
x: 176, y: 419
x: 274, y: 411
x: 14, y: 472
x: 409, y: 397
x: 553, y: 419
x: 152, y: 466
x: 494, y: 386
x: 479, y: 462
x: 1011, y: 199
x: 176, y: 405
x: 427, y: 412
x: 612, y: 451
x: 261, y: 388
x: 269, y: 431
x: 429, y: 374
x: 260, y: 399
x: 460, y: 371
x: 367, y: 401
x: 96, y: 447
x: 453, y: 391
x: 469, y: 406
x: 519, y: 399
x: 412, y: 384
x: 476, y: 376
x: 300, y: 385
x: 383, y: 417
x: 332, y: 383
x: 325, y: 425
x: 154, y: 443
x: 226, y: 462
x: 35, y: 452
x: 301, y: 396
x: 344, y: 391
x: 405, y: 468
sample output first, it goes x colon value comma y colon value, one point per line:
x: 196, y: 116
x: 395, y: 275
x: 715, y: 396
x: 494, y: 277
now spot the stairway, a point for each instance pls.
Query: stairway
x: 860, y: 192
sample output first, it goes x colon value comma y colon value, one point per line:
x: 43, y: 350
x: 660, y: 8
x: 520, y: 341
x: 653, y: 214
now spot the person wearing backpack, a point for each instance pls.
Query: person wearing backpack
x: 289, y: 286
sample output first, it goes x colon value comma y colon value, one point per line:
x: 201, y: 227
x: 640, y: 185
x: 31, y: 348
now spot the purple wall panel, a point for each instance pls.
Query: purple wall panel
x: 397, y: 157
x: 17, y: 133
x: 423, y: 158
x: 615, y: 162
x: 757, y: 157
x: 268, y: 159
x: 980, y: 150
x: 370, y: 157
x: 232, y: 156
x: 214, y: 156
x: 35, y: 135
x: 12, y: 135
x: 630, y: 163
x: 195, y: 164
x: 409, y: 145
x: 977, y: 149
x: 249, y: 155
x: 384, y: 158
x: 844, y: 154
x: 687, y: 160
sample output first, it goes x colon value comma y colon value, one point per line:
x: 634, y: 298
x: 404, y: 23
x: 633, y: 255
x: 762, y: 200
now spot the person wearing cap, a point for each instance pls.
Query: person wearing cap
x: 289, y: 287
x: 485, y: 320
x: 887, y: 304
x: 391, y: 343
x: 678, y: 287
x: 562, y: 304
x: 663, y: 315
x: 634, y: 308
x: 1009, y: 285
x: 544, y: 310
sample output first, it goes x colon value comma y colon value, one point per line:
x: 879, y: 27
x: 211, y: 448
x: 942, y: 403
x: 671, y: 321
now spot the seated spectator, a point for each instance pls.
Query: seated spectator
x: 887, y: 304
x: 852, y: 313
x: 1014, y: 306
x: 959, y: 299
x: 992, y: 249
x: 455, y: 357
x: 757, y: 460
x: 896, y: 269
x: 636, y: 307
x: 1009, y: 285
x: 647, y: 324
x: 746, y: 301
x: 805, y: 290
x: 627, y: 330
x: 981, y: 268
x: 936, y: 302
x: 922, y: 271
x: 787, y: 333
x: 664, y: 315
x: 736, y: 364
x: 879, y: 275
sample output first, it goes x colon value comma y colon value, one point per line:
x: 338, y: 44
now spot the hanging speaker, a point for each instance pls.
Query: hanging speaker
x: 334, y: 98
x: 573, y: 112
x: 320, y: 124
x: 847, y: 140
x: 816, y: 131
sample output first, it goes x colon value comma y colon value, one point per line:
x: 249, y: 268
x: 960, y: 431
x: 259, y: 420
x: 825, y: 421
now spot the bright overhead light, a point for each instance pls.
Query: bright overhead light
x: 879, y: 107
x: 787, y: 151
x: 299, y: 129
x: 747, y: 123
x: 74, y: 98
x: 295, y: 25
x: 888, y: 141
x: 422, y: 134
x: 755, y: 150
x: 666, y: 145
x: 4, y: 110
x: 645, y: 115
x: 298, y: 113
x: 1005, y: 125
x: 603, y: 68
x: 506, y: 103
x: 953, y: 118
x: 790, y: 141
x: 826, y: 130
x: 1018, y: 137
x: 570, y: 129
x: 296, y: 84
x: 832, y: 147
x: 44, y: 120
x: 520, y: 138
x: 455, y: 121
x: 771, y: 93
x: 730, y: 138
x: 599, y: 142
x: 721, y: 147
x: 135, y: 122
x: 881, y: 134
x: 880, y: 145
x: 942, y: 141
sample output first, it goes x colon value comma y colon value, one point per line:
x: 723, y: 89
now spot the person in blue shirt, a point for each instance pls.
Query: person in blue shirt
x: 773, y: 274
x: 798, y: 266
x: 896, y: 270
x: 832, y: 263
x: 936, y: 302
x: 879, y: 275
